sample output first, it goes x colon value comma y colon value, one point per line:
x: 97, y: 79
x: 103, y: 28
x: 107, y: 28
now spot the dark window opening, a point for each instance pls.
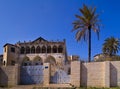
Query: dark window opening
x: 25, y: 64
x: 48, y: 49
x: 36, y: 64
x: 38, y: 49
x: 12, y: 49
x: 4, y: 63
x: 30, y: 64
x: 41, y: 63
x: 69, y: 71
x: 27, y: 50
x: 54, y: 49
x: 5, y: 49
x: 60, y: 49
x: 33, y: 49
x: 43, y: 49
x: 22, y: 50
x: 12, y: 62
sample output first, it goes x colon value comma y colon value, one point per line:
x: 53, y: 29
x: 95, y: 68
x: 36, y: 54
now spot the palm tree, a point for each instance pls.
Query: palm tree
x: 111, y: 46
x: 87, y: 21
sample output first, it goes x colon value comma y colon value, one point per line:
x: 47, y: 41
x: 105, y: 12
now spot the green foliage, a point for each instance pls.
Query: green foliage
x: 111, y: 46
x: 87, y: 21
x: 100, y: 88
x: 108, y: 58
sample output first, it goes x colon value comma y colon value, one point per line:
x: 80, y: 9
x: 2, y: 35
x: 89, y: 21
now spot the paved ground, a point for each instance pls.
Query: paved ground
x: 51, y: 86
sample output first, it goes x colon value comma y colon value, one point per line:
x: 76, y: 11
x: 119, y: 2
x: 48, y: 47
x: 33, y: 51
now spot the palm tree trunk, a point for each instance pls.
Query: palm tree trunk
x: 89, y: 44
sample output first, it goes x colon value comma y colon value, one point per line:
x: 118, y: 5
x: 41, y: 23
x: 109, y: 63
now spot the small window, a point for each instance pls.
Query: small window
x: 4, y: 62
x: 30, y: 64
x: 69, y: 71
x: 12, y: 62
x: 12, y: 49
x: 41, y: 63
x: 5, y: 49
x: 36, y: 64
x: 25, y: 64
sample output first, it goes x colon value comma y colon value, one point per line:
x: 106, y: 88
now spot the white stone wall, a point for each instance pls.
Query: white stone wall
x: 92, y: 74
x: 95, y: 74
x: 115, y: 73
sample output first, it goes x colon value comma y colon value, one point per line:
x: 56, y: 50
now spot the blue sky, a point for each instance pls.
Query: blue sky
x: 52, y: 19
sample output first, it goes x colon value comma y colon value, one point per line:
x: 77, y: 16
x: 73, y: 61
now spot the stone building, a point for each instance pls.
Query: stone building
x: 36, y: 52
x: 1, y: 59
x: 27, y: 53
x: 73, y: 58
x: 46, y: 63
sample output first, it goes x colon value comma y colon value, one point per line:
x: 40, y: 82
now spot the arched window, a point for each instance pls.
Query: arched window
x: 26, y: 61
x: 43, y: 49
x: 27, y: 49
x: 22, y: 50
x: 60, y: 49
x: 38, y: 49
x: 33, y: 49
x: 54, y: 49
x: 48, y: 49
x: 37, y: 61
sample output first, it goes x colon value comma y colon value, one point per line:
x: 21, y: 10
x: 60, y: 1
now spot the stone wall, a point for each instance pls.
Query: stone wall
x: 115, y: 73
x: 46, y: 71
x: 75, y: 73
x: 92, y: 74
x: 9, y: 75
x: 95, y: 74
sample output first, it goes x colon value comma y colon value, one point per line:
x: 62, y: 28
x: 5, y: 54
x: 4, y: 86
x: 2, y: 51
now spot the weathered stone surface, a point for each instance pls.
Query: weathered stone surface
x: 9, y: 75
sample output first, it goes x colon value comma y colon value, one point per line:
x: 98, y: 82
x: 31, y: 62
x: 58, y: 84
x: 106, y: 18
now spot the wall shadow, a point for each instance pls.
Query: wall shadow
x: 3, y: 78
x: 113, y: 76
x: 83, y: 75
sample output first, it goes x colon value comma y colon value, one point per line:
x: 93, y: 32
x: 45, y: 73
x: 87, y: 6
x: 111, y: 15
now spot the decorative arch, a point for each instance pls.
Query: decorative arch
x: 38, y: 49
x: 48, y: 49
x: 32, y: 49
x: 27, y: 49
x: 60, y: 49
x: 26, y: 61
x: 22, y: 50
x: 37, y: 60
x: 43, y: 49
x: 51, y: 60
x: 54, y: 49
x: 26, y: 58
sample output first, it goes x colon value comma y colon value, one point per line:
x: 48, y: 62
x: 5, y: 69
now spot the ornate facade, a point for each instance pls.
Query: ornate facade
x: 35, y: 52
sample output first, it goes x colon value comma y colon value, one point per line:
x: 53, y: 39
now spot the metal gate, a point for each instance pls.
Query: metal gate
x: 31, y: 74
x: 60, y: 77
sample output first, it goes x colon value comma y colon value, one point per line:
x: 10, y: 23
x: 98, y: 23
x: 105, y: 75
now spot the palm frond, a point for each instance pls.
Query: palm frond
x: 111, y: 46
x: 80, y: 34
